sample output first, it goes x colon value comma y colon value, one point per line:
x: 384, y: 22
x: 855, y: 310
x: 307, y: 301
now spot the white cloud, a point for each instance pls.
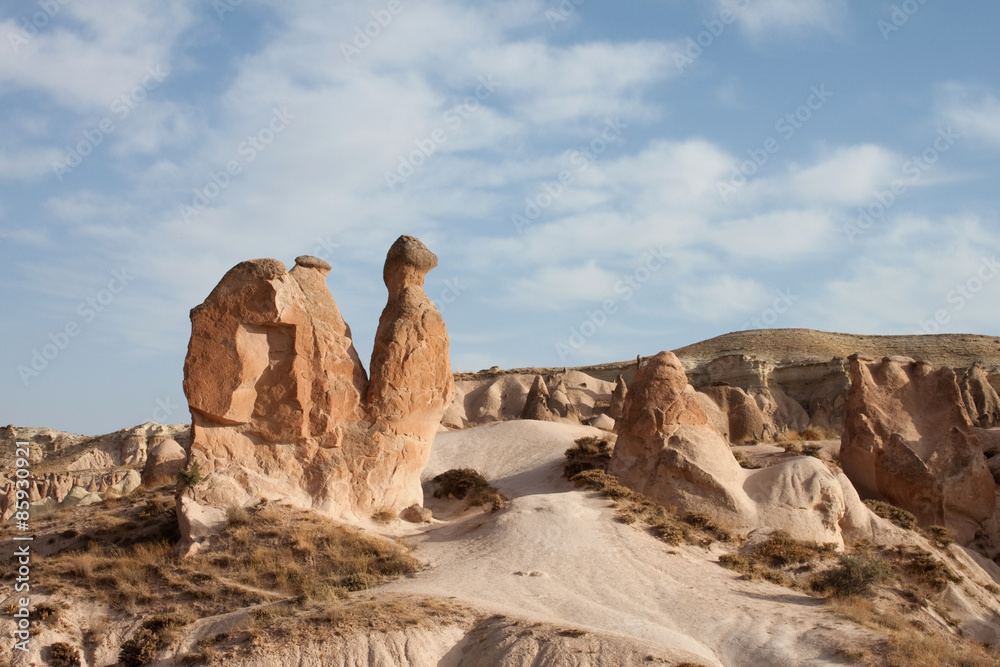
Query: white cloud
x: 794, y: 18
x: 720, y: 297
x: 910, y: 270
x: 92, y: 52
x: 781, y: 235
x: 554, y: 287
x: 27, y: 163
x: 848, y: 177
x: 974, y: 111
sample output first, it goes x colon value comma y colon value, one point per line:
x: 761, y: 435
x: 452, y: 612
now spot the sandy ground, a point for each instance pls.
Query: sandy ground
x: 557, y: 555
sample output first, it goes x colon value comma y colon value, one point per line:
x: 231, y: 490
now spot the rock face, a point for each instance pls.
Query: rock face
x: 282, y: 407
x: 758, y: 414
x: 908, y: 439
x: 980, y: 397
x: 490, y: 396
x: 164, y: 462
x: 536, y: 406
x: 668, y: 450
x: 618, y: 395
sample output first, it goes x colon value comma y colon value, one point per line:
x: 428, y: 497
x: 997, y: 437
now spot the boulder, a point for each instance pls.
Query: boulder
x: 164, y: 462
x: 282, y: 408
x: 668, y: 450
x: 908, y: 439
x: 603, y: 422
x: 416, y: 514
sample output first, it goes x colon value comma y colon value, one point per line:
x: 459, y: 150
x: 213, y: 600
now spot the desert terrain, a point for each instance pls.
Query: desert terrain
x: 772, y: 498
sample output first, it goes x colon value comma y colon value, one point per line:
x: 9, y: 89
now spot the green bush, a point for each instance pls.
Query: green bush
x: 191, y: 475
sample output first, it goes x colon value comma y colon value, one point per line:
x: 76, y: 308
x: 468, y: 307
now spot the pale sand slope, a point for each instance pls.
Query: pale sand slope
x: 557, y: 555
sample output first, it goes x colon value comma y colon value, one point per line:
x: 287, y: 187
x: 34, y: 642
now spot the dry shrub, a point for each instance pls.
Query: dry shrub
x: 62, y: 654
x: 812, y: 450
x: 46, y: 611
x: 590, y: 453
x: 663, y: 523
x: 745, y: 462
x: 271, y: 552
x: 384, y: 516
x: 926, y: 569
x: 854, y: 576
x: 818, y: 433
x: 780, y: 550
x: 770, y: 558
x: 907, y: 644
x: 897, y: 515
x: 941, y: 536
x: 237, y: 515
x: 469, y: 485
x: 155, y: 634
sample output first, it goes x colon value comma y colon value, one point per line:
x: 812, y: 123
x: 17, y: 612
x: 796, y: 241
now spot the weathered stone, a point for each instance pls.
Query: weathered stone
x: 282, y: 408
x: 908, y: 440
x: 164, y: 462
x: 618, y: 395
x: 668, y: 450
x: 536, y: 406
x: 416, y: 514
x: 981, y: 399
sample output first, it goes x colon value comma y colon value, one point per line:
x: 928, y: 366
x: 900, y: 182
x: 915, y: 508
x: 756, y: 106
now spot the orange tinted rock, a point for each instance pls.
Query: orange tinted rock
x: 668, y: 450
x: 908, y: 439
x: 281, y: 405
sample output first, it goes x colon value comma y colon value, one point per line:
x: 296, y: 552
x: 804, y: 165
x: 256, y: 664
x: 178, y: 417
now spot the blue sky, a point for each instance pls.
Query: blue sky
x: 599, y: 179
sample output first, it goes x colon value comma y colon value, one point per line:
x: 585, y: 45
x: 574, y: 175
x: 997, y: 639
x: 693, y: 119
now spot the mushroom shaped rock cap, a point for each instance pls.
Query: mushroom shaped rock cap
x: 406, y: 264
x: 310, y: 262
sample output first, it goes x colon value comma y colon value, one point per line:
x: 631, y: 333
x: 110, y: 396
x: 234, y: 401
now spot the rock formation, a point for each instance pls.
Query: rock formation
x: 617, y: 408
x: 668, y: 450
x: 536, y: 406
x: 164, y: 462
x: 908, y: 440
x: 980, y: 397
x: 759, y: 414
x: 282, y: 407
x: 491, y: 396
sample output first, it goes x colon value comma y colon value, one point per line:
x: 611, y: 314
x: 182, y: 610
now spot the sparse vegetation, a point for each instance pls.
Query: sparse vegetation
x: 469, y: 485
x: 62, y: 654
x: 155, y: 634
x: 854, y: 576
x: 46, y: 612
x: 925, y: 569
x: 906, y: 642
x: 589, y: 454
x: 744, y: 462
x: 384, y: 516
x: 664, y: 524
x: 812, y: 450
x: 191, y: 475
x: 941, y: 536
x: 819, y: 433
x: 266, y: 553
x: 771, y: 559
x: 897, y: 515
